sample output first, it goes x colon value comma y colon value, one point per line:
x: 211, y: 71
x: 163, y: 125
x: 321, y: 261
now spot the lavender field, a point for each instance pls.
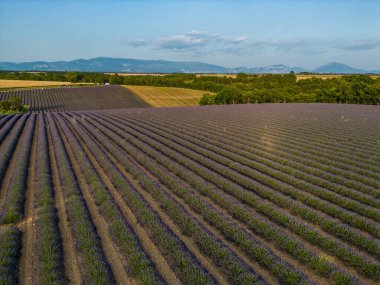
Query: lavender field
x: 76, y: 98
x: 233, y: 194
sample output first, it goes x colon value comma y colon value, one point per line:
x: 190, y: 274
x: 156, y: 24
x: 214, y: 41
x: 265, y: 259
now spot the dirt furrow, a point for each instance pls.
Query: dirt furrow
x: 73, y: 267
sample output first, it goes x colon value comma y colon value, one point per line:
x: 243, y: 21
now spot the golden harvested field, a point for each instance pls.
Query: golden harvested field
x: 163, y: 74
x: 5, y: 83
x: 325, y: 76
x: 167, y: 96
x: 321, y: 76
x: 216, y: 74
x: 137, y: 74
x: 299, y: 76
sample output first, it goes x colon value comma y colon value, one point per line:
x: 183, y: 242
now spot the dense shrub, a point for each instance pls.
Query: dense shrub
x: 13, y: 106
x: 245, y: 88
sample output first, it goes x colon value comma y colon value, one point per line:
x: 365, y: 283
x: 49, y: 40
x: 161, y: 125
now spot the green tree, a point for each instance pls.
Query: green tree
x: 229, y: 95
x: 207, y: 99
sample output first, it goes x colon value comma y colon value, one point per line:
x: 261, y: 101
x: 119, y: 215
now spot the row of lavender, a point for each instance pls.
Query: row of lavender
x: 50, y: 135
x: 47, y: 246
x: 78, y: 98
x: 341, y: 219
x: 31, y: 142
x: 273, y: 198
x: 11, y: 128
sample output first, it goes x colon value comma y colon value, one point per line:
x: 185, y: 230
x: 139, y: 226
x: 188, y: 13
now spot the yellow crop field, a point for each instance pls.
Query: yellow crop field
x: 216, y: 75
x: 325, y: 76
x: 320, y: 76
x: 299, y: 76
x: 5, y: 83
x: 167, y: 96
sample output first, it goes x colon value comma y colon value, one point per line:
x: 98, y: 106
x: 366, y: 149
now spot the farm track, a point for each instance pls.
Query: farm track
x: 97, y: 123
x: 275, y: 194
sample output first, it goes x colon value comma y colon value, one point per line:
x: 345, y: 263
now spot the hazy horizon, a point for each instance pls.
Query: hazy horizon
x: 225, y: 33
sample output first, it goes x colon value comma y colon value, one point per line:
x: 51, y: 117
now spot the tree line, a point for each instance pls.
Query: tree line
x: 245, y: 88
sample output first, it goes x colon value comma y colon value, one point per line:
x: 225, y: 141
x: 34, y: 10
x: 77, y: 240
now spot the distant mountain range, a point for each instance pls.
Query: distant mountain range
x: 106, y: 64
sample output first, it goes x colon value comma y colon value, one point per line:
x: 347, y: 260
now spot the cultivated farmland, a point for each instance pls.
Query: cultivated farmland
x: 232, y: 194
x: 4, y: 83
x: 77, y: 98
x: 167, y: 96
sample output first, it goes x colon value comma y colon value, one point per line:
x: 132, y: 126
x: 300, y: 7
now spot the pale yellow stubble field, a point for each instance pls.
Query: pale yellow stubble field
x: 167, y: 96
x: 299, y: 76
x: 5, y: 83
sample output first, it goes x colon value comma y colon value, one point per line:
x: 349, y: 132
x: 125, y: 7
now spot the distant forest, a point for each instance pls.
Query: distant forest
x: 245, y: 88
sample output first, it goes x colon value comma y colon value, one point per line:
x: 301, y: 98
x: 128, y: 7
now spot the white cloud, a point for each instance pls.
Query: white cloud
x: 359, y: 45
x: 239, y: 39
x: 137, y: 43
x: 180, y: 42
x: 196, y: 38
x: 200, y: 43
x: 202, y: 35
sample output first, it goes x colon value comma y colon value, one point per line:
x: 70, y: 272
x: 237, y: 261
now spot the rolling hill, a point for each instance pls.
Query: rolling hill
x: 127, y: 65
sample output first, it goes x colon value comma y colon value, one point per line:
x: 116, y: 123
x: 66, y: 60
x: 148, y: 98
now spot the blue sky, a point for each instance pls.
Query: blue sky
x: 229, y: 33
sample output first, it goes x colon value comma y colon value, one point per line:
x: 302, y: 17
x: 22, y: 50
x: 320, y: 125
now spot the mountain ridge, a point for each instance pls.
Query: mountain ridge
x: 129, y: 65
